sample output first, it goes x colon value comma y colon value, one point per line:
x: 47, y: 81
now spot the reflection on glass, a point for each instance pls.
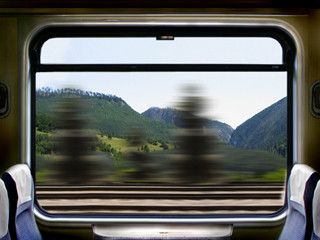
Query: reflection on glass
x: 195, y: 145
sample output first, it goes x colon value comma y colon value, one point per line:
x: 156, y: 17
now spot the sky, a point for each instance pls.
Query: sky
x: 232, y: 97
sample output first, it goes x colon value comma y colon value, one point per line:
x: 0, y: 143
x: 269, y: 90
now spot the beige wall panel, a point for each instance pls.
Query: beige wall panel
x: 9, y: 75
x: 313, y: 124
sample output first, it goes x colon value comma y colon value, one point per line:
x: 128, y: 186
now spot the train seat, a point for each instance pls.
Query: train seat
x: 301, y: 185
x: 19, y: 184
x: 4, y: 212
x: 316, y: 213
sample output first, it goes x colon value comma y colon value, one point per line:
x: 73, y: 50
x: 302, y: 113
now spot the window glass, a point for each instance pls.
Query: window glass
x: 146, y: 50
x: 133, y: 142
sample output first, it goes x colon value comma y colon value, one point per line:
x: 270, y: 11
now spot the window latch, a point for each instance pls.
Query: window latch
x: 4, y: 100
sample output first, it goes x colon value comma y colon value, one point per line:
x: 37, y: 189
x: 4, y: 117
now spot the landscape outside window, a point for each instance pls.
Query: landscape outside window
x: 173, y: 135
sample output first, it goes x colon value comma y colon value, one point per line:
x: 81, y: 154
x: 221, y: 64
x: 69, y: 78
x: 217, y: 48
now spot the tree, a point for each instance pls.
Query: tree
x: 139, y: 160
x: 44, y: 123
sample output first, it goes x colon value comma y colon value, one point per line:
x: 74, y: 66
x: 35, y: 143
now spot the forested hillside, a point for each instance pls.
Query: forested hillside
x: 108, y: 114
x: 267, y: 130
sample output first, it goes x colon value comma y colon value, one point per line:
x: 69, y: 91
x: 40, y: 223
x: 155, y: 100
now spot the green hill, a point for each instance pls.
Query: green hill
x: 267, y: 130
x: 110, y: 115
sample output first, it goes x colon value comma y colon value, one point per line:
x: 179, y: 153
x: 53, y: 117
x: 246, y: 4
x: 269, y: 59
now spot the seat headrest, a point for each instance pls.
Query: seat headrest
x: 21, y: 174
x: 4, y: 210
x: 316, y: 210
x: 300, y: 174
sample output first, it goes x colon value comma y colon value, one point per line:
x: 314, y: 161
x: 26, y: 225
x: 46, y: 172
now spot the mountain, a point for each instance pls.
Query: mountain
x: 222, y: 130
x: 108, y: 114
x: 167, y: 115
x: 172, y: 116
x: 266, y: 130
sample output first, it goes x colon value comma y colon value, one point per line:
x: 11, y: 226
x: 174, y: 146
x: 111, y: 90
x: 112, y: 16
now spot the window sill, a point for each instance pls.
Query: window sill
x: 161, y: 231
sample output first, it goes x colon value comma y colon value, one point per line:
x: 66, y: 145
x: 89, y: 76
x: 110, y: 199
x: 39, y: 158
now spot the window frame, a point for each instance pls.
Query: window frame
x: 279, y: 34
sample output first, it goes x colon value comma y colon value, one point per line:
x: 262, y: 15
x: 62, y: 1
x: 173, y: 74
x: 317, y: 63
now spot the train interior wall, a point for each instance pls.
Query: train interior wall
x: 15, y: 25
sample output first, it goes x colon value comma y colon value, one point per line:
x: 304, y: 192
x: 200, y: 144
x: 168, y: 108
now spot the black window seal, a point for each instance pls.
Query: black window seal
x: 160, y: 68
x: 289, y: 55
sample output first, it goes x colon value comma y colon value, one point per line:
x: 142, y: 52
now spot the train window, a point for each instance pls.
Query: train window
x: 162, y: 121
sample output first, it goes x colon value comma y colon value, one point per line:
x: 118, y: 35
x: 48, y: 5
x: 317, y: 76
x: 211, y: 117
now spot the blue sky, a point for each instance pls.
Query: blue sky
x: 233, y: 97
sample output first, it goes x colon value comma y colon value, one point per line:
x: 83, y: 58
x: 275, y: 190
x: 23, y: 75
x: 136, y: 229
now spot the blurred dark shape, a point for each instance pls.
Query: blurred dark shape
x: 196, y: 161
x: 138, y: 159
x: 136, y: 136
x: 76, y: 163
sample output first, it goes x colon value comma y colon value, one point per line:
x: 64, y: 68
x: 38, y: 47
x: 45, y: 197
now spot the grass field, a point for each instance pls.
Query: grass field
x: 237, y: 165
x: 123, y: 145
